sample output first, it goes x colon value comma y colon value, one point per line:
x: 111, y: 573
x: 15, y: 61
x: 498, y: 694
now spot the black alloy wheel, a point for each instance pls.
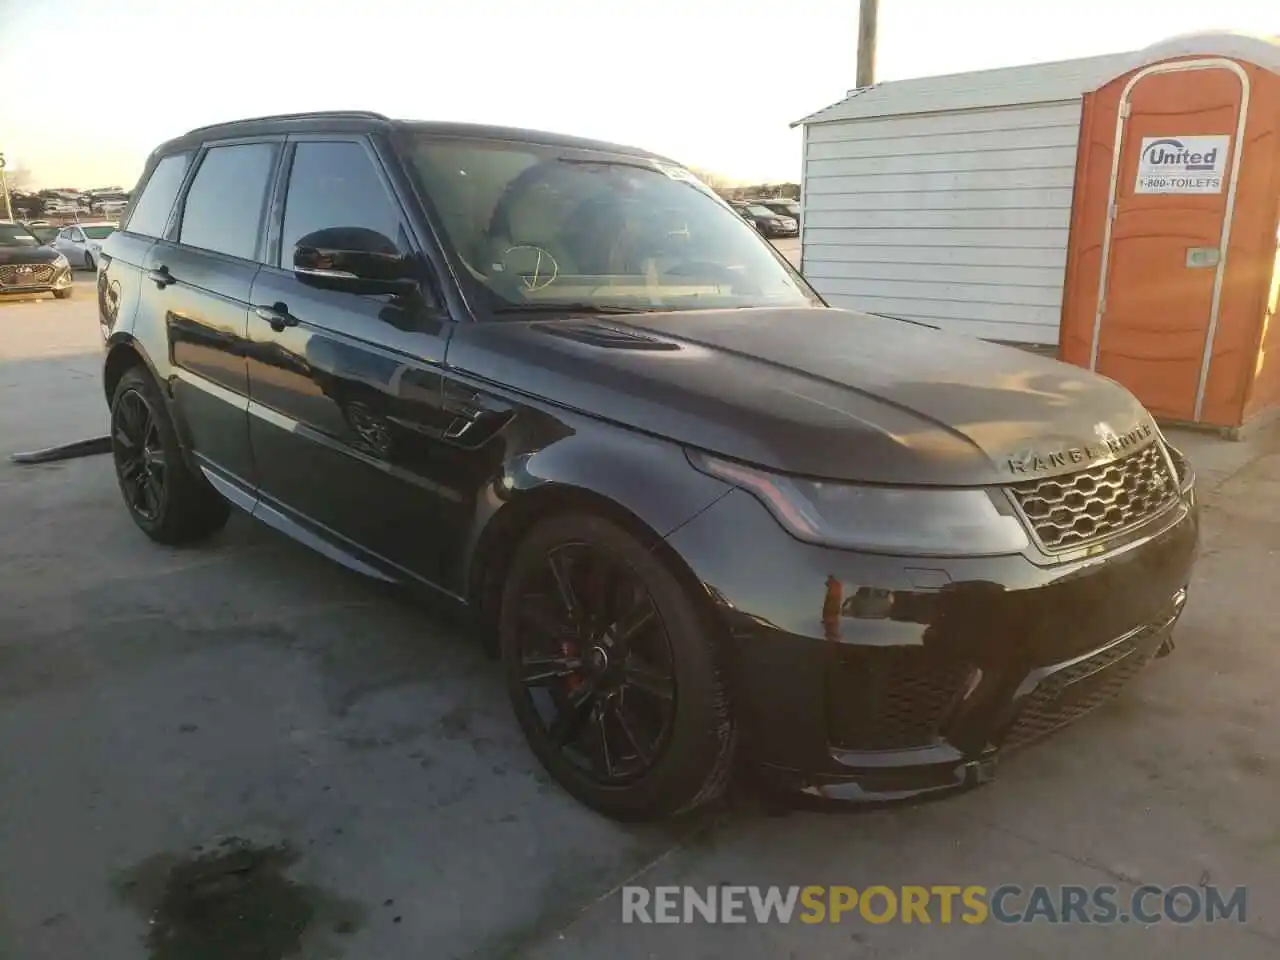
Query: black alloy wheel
x: 139, y: 455
x: 169, y: 501
x: 597, y: 650
x: 611, y: 673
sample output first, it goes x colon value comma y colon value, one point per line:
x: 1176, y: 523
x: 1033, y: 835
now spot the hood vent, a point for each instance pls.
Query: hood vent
x: 612, y: 338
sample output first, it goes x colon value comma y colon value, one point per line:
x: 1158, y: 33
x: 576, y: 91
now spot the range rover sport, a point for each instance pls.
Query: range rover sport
x: 703, y: 516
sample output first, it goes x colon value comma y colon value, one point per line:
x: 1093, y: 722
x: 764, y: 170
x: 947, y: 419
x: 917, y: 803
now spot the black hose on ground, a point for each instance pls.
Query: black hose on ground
x: 67, y: 451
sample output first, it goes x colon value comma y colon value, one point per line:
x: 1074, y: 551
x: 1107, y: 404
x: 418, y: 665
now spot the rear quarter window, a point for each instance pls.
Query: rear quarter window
x: 151, y: 213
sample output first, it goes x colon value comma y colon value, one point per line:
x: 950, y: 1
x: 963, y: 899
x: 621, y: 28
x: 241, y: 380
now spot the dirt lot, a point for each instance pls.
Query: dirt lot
x: 155, y: 704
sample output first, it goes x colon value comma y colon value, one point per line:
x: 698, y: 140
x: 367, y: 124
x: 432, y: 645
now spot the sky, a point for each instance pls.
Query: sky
x: 92, y: 86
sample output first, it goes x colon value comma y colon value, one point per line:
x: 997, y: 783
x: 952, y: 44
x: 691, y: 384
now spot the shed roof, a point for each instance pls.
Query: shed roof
x: 1035, y: 82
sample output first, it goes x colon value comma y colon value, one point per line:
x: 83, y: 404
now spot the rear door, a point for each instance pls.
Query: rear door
x: 120, y: 277
x: 63, y: 245
x: 197, y: 284
x: 346, y: 409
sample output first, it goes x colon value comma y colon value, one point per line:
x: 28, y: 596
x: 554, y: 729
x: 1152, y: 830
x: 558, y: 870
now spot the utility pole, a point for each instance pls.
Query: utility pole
x: 4, y: 189
x: 867, y: 42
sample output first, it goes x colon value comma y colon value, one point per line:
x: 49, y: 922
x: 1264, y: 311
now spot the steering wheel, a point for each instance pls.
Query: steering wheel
x: 534, y: 265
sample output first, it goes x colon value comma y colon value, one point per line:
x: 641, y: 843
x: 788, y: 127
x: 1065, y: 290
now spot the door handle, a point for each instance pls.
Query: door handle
x: 161, y: 276
x: 277, y: 315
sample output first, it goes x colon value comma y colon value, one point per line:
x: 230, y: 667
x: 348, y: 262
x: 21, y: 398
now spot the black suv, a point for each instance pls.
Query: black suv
x: 701, y: 515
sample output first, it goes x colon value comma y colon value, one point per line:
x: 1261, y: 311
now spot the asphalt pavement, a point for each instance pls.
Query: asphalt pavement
x: 242, y: 751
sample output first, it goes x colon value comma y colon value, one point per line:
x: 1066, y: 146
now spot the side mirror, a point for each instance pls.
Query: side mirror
x: 352, y: 260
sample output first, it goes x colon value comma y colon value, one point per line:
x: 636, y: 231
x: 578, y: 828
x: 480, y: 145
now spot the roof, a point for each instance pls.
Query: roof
x: 485, y: 131
x: 1006, y: 86
x: 365, y: 120
x: 1034, y: 83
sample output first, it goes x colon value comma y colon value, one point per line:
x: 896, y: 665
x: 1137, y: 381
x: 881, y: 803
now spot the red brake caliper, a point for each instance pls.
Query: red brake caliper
x: 572, y: 682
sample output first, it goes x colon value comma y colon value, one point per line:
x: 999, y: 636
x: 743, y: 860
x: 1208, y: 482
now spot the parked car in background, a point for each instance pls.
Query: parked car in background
x: 81, y: 243
x: 29, y: 266
x: 111, y: 208
x: 766, y: 222
x: 65, y: 207
x: 783, y: 208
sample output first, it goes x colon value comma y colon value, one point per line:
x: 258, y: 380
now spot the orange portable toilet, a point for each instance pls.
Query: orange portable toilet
x: 1173, y: 261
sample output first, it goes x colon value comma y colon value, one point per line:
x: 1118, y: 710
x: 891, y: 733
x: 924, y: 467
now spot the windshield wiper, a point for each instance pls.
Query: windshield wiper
x: 592, y: 308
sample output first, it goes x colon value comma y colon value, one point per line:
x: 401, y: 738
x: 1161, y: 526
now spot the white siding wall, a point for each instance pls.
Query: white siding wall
x: 958, y: 219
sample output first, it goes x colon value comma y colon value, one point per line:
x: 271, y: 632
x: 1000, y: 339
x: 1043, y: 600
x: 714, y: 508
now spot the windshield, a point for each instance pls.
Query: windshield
x: 98, y: 233
x: 758, y: 211
x: 16, y: 235
x: 541, y: 227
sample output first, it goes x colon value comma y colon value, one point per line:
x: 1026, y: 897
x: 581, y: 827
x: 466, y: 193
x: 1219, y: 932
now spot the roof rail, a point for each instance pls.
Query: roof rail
x: 314, y: 114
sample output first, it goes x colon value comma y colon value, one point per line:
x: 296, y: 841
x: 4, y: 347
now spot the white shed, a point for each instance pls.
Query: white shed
x: 948, y: 199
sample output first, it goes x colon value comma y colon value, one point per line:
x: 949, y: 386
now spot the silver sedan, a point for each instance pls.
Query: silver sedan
x: 81, y: 243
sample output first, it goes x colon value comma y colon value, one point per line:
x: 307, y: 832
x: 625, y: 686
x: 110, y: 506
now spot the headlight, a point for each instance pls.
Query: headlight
x: 61, y: 261
x: 899, y: 520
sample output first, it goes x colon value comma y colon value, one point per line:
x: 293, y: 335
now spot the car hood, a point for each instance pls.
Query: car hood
x: 41, y: 254
x: 819, y: 392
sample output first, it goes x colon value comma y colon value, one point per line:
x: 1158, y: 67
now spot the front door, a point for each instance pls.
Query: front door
x: 346, y: 389
x: 1171, y: 199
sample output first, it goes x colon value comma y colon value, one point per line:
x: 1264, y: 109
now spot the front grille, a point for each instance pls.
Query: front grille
x: 1079, y: 689
x: 26, y: 275
x: 1093, y: 504
x: 890, y: 698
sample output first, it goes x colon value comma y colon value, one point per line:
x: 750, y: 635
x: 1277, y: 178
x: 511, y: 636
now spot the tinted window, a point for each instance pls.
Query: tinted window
x: 335, y: 185
x: 151, y: 212
x: 224, y: 205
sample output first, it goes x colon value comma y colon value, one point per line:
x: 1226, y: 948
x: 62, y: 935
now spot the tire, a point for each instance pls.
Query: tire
x: 181, y: 507
x: 688, y: 762
x: 62, y: 294
x: 89, y: 263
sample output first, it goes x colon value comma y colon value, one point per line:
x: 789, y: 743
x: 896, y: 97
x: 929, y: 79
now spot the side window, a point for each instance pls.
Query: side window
x: 335, y: 185
x: 223, y: 210
x: 151, y: 212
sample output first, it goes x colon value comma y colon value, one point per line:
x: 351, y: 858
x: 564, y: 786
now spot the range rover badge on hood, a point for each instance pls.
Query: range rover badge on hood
x: 1034, y: 461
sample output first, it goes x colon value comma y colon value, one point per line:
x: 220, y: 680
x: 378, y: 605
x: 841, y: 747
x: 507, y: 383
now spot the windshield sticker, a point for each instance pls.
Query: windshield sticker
x: 676, y: 173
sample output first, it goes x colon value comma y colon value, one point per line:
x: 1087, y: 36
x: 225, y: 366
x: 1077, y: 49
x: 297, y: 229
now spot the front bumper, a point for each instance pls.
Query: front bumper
x: 34, y: 278
x: 871, y: 677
